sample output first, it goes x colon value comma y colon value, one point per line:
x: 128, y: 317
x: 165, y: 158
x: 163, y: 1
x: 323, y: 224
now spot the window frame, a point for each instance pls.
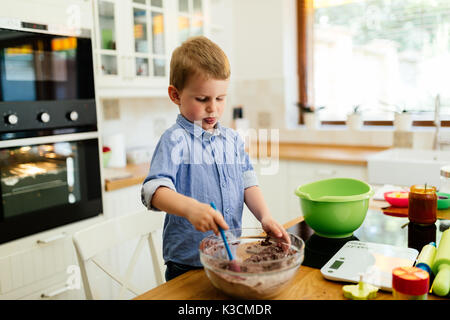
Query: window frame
x: 305, y: 35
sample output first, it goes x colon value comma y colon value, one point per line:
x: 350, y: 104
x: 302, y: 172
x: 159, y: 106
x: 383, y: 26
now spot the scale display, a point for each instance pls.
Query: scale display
x: 373, y: 260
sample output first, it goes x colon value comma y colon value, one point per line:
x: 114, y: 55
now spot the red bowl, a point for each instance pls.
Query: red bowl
x: 397, y: 198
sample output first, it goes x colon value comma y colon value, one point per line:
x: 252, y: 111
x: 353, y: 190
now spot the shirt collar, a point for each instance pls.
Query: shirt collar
x: 196, y: 130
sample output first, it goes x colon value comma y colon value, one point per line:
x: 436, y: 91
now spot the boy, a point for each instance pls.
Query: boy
x: 197, y: 161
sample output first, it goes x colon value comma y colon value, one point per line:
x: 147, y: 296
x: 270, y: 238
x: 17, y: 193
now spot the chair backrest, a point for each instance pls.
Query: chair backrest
x: 97, y: 239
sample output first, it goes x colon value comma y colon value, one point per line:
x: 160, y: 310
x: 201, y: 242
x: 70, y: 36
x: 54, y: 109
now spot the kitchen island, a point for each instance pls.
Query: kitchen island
x: 308, y: 283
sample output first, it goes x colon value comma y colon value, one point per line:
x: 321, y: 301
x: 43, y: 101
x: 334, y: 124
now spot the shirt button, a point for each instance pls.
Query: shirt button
x: 227, y: 210
x: 224, y: 184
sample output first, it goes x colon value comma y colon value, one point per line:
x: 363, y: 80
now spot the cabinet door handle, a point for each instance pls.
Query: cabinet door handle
x: 56, y: 292
x: 51, y: 239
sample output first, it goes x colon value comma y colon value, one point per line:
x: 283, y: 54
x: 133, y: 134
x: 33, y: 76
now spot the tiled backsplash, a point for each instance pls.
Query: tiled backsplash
x: 259, y: 98
x: 142, y: 121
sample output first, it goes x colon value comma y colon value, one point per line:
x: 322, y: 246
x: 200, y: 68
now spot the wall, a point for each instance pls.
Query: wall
x: 264, y: 69
x: 141, y: 120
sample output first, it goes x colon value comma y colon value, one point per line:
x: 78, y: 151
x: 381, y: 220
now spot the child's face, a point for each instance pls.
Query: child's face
x: 201, y: 100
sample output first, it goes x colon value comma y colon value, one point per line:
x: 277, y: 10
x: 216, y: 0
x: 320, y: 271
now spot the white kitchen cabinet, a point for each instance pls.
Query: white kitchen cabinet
x: 30, y: 269
x: 273, y: 187
x: 134, y: 40
x: 131, y: 47
x: 122, y: 201
x: 33, y: 271
x: 63, y: 15
x: 190, y: 15
x: 278, y: 189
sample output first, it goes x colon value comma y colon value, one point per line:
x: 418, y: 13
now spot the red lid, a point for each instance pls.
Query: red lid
x: 410, y: 280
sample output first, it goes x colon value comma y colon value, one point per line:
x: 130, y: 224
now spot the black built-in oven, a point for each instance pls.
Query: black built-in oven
x: 49, y: 147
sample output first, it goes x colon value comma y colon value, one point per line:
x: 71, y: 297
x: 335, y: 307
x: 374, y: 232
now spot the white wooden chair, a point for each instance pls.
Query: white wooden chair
x: 97, y: 239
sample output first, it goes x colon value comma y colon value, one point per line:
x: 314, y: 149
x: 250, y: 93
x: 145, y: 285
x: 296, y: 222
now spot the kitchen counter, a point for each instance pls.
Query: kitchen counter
x: 132, y: 174
x: 308, y: 283
x: 338, y: 154
x: 353, y: 155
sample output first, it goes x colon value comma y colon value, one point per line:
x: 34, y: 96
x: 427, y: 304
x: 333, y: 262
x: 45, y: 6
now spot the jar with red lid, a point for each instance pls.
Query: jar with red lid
x: 410, y: 283
x: 422, y: 205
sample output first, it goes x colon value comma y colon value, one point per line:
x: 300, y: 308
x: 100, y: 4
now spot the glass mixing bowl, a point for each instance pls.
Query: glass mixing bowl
x: 266, y: 265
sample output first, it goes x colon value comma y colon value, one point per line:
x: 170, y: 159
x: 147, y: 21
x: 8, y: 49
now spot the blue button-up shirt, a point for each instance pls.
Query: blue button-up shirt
x: 205, y: 166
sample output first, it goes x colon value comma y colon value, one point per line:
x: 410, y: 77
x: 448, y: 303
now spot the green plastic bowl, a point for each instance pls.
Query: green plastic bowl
x: 334, y: 208
x: 443, y: 203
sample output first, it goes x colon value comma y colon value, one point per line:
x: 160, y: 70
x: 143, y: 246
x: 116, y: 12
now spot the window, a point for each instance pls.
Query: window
x: 385, y: 56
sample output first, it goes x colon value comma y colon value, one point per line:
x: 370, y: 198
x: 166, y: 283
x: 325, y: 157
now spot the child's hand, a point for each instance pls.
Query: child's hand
x: 204, y: 218
x: 273, y: 228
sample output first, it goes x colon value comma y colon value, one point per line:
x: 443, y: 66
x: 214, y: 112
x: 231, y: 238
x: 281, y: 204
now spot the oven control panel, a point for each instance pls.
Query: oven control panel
x: 26, y: 116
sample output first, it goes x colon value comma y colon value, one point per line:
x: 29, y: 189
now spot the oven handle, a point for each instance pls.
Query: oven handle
x: 49, y: 139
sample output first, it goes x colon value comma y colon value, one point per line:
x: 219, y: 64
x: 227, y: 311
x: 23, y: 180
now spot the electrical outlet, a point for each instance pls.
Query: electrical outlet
x: 264, y: 120
x: 111, y: 110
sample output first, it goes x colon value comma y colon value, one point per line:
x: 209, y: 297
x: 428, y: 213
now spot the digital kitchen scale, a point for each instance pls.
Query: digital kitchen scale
x: 373, y: 260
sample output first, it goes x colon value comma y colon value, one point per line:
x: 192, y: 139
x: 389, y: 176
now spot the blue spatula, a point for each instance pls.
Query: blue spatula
x: 233, y: 264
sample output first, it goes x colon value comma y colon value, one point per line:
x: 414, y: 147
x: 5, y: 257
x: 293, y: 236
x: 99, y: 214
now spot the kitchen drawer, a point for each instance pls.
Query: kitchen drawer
x: 55, y: 289
x: 25, y: 268
x: 47, y: 289
x: 32, y: 263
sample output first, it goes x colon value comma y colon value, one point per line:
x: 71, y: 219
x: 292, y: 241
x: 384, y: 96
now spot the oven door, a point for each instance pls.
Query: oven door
x: 48, y: 182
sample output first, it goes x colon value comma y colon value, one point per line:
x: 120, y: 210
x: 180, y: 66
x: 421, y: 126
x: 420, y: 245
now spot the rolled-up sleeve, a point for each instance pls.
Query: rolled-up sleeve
x: 248, y: 172
x: 163, y: 167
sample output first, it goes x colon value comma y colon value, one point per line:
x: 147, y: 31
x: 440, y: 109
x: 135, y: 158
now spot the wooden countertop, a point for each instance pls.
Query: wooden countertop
x: 338, y: 154
x: 308, y: 284
x: 132, y: 174
x: 355, y: 155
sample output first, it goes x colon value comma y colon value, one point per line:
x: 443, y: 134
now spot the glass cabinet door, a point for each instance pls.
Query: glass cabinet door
x: 107, y: 37
x: 190, y: 19
x: 149, y: 38
x: 197, y: 20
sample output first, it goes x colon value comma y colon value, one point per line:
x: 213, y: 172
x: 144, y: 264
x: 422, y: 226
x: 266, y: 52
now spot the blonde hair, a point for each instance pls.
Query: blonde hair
x: 198, y: 55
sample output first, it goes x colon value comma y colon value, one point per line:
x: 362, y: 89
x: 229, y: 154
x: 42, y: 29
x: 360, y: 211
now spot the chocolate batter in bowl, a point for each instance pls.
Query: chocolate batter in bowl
x: 267, y: 265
